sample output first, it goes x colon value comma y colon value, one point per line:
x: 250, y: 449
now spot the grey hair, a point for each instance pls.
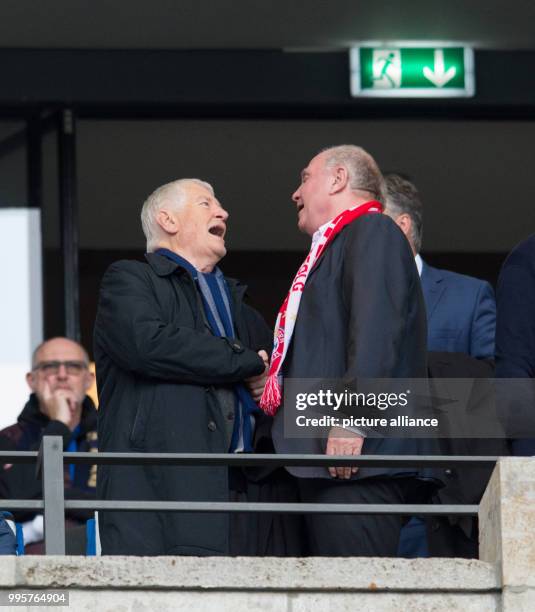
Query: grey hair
x: 174, y: 192
x: 403, y: 198
x: 363, y: 171
x: 35, y: 353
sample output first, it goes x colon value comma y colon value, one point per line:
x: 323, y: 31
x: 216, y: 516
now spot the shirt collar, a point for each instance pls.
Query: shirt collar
x: 319, y: 232
x: 419, y: 263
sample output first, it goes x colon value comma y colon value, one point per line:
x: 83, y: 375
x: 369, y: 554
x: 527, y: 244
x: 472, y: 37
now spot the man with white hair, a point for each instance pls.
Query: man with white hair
x: 179, y: 366
x: 354, y: 312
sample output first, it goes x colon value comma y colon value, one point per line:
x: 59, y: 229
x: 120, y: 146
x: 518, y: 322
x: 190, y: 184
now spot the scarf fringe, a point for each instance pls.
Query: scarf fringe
x: 271, y: 398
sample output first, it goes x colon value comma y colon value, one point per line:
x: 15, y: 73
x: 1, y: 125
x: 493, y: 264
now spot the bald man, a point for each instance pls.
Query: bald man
x: 59, y: 380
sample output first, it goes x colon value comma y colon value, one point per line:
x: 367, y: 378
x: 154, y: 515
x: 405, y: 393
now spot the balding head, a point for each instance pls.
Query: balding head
x: 363, y: 171
x: 59, y: 346
x: 336, y: 179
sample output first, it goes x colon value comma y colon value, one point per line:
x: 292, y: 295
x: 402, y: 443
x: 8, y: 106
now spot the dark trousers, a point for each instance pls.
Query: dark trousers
x: 266, y: 534
x: 352, y: 535
x: 447, y: 540
x: 413, y: 539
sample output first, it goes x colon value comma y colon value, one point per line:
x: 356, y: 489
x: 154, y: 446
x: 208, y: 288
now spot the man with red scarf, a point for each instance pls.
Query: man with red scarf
x: 355, y: 311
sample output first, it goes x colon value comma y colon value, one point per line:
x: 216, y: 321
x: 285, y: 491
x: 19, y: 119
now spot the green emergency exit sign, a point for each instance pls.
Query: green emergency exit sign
x: 434, y: 71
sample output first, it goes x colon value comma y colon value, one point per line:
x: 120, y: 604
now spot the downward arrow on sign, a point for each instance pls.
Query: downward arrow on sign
x: 439, y: 76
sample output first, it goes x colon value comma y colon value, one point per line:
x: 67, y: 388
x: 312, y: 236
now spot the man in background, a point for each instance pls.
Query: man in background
x: 461, y: 318
x: 461, y: 310
x: 515, y: 341
x: 57, y: 406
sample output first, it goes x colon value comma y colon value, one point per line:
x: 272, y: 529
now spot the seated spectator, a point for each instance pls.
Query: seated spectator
x: 58, y: 405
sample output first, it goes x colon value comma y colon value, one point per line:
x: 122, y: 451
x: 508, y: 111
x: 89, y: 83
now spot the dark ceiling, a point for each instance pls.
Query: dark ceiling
x: 211, y: 24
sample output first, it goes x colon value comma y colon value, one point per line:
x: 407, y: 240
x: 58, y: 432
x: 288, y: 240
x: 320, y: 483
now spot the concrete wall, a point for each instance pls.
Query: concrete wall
x: 110, y: 584
x: 507, y: 531
x: 467, y: 172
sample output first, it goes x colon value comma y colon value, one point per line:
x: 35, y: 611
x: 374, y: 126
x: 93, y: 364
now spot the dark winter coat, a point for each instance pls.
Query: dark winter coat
x: 158, y: 367
x: 18, y: 480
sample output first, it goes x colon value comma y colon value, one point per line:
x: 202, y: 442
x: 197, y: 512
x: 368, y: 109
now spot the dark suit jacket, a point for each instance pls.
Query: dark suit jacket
x: 457, y: 536
x: 361, y: 316
x: 466, y: 485
x: 461, y: 313
x: 515, y: 334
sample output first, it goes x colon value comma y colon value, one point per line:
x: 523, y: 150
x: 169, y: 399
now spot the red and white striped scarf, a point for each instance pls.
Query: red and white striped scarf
x: 284, y: 327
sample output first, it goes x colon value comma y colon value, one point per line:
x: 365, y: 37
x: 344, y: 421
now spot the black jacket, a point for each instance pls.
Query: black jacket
x: 18, y: 480
x: 515, y: 323
x: 158, y: 365
x: 361, y: 316
x: 457, y: 536
x: 465, y: 484
x: 515, y: 344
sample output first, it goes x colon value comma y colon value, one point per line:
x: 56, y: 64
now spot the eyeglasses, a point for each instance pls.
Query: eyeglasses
x: 51, y: 368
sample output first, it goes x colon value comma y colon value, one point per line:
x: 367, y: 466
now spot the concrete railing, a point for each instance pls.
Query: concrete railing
x: 502, y: 580
x: 507, y: 531
x: 129, y: 584
x: 51, y: 459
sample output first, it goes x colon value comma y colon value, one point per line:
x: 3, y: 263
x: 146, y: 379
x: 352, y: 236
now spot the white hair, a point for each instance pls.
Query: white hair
x: 362, y: 169
x: 174, y: 193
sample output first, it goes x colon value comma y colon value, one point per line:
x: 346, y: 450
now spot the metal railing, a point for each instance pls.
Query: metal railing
x: 51, y: 458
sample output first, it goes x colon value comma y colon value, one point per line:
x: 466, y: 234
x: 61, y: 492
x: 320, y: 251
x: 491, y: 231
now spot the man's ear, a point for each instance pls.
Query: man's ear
x: 340, y: 179
x: 404, y: 221
x: 30, y: 379
x: 89, y: 380
x: 166, y: 221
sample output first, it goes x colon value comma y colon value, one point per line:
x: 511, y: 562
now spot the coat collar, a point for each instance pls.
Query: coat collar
x: 432, y: 275
x: 162, y: 266
x: 33, y: 415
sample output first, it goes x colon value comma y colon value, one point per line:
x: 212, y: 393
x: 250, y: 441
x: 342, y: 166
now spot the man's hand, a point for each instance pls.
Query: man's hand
x: 256, y: 384
x: 60, y: 405
x: 343, y: 442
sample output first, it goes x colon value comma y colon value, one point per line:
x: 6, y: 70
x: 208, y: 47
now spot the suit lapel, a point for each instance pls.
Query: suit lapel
x: 322, y: 256
x: 432, y: 286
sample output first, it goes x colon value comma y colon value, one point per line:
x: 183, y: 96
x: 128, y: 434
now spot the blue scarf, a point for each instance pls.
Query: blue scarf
x: 72, y: 447
x: 217, y: 301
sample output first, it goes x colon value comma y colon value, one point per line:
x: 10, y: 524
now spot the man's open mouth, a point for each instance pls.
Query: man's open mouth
x: 300, y: 208
x: 217, y: 230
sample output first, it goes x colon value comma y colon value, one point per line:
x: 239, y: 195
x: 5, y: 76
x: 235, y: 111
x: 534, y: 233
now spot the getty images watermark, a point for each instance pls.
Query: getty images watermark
x: 408, y: 408
x: 329, y: 399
